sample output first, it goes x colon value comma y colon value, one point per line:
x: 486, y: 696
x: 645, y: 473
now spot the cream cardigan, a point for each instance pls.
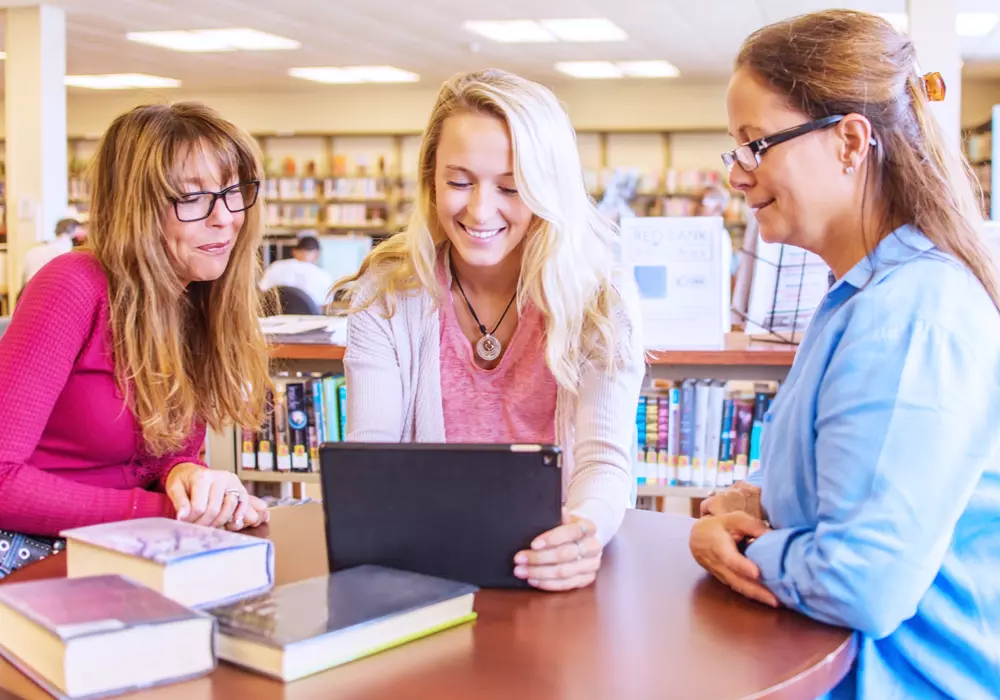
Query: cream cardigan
x: 392, y: 367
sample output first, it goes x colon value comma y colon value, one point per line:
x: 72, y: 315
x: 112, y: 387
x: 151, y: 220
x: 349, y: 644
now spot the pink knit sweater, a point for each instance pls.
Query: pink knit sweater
x: 71, y: 452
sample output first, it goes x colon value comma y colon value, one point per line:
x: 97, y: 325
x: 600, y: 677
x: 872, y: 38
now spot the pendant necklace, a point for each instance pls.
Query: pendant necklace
x: 488, y: 347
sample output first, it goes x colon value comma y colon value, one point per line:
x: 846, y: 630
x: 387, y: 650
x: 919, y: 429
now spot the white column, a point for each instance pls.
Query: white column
x: 35, y: 139
x: 932, y: 29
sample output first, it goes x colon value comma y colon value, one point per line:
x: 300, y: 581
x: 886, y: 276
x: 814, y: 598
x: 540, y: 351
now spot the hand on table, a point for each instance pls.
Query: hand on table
x: 713, y: 543
x: 739, y: 497
x: 213, y: 497
x: 565, y: 557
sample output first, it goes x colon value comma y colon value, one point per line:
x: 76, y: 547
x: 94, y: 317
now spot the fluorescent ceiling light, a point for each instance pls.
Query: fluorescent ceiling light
x: 589, y: 69
x: 967, y: 24
x: 120, y: 81
x: 355, y: 74
x: 214, y: 40
x: 591, y: 29
x: 619, y: 69
x: 649, y: 69
x: 511, y: 31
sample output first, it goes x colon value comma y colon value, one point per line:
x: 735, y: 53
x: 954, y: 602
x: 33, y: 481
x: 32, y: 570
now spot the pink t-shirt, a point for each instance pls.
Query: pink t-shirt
x: 515, y: 402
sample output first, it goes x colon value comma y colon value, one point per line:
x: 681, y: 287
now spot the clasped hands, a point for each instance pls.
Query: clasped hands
x: 567, y: 556
x: 727, y: 518
x: 213, y: 497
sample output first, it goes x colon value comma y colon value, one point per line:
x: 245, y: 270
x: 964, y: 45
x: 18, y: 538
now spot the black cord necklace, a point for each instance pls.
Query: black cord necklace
x: 488, y: 347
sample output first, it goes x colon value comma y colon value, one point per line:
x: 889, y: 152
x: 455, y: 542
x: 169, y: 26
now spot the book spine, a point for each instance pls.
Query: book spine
x: 686, y: 445
x: 701, y: 417
x: 674, y: 434
x: 283, y: 457
x: 716, y: 399
x: 725, y: 476
x: 298, y: 424
x: 265, y: 445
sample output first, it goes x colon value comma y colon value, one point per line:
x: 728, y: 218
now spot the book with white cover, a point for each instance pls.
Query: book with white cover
x: 192, y: 564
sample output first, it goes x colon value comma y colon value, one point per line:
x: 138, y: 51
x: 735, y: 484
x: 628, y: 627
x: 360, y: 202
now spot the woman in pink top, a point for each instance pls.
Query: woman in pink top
x: 500, y: 314
x: 118, y: 355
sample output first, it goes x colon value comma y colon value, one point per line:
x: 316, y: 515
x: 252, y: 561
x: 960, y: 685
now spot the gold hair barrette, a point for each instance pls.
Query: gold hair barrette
x: 934, y: 86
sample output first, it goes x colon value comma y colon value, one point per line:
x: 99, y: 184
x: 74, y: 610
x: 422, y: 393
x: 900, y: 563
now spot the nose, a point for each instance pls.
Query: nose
x: 220, y: 216
x: 482, y: 204
x: 740, y: 179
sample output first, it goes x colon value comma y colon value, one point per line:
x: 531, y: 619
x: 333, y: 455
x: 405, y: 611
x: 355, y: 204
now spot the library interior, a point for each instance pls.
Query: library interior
x: 475, y: 350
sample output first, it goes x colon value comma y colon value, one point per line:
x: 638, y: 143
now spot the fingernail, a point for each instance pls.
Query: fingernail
x: 239, y: 524
x: 182, y: 513
x: 538, y: 544
x: 533, y: 581
x: 520, y: 571
x: 521, y: 559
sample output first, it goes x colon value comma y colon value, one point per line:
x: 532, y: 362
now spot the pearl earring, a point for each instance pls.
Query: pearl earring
x: 849, y: 170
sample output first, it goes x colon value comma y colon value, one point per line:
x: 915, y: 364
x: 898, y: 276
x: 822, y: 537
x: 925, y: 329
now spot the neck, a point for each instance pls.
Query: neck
x: 851, y: 238
x: 498, y: 280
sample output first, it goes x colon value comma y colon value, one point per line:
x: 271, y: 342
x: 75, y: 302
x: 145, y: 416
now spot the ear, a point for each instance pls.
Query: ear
x: 855, y: 132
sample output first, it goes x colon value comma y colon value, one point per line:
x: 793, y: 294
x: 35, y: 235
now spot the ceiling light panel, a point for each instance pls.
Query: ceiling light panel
x: 649, y: 69
x: 215, y: 40
x: 120, y: 81
x: 354, y: 74
x: 584, y: 30
x: 589, y: 69
x: 515, y: 31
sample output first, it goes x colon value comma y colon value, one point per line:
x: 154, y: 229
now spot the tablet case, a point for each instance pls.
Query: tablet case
x: 455, y: 511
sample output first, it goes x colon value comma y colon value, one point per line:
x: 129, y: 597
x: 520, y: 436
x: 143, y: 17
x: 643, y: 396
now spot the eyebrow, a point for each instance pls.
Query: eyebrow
x: 469, y: 172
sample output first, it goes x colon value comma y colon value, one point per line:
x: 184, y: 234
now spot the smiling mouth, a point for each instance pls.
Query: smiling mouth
x: 482, y: 234
x: 214, y: 247
x: 762, y: 205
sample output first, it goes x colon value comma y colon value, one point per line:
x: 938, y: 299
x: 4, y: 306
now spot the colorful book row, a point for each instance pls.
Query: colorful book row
x: 304, y: 411
x: 697, y: 435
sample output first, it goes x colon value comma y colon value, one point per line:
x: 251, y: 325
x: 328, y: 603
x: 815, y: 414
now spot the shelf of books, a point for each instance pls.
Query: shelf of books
x: 698, y: 418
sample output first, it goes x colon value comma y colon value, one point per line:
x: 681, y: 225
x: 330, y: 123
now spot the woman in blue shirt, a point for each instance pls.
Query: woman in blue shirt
x: 878, y: 503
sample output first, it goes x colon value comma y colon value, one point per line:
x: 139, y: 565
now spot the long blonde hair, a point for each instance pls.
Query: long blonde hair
x: 847, y: 62
x: 181, y: 352
x: 567, y: 267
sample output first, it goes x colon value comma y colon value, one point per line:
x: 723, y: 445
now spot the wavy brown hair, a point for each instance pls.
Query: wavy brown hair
x: 182, y: 352
x: 846, y: 62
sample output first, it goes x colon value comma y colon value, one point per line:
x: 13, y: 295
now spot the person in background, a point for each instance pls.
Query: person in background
x: 118, y: 355
x: 877, y: 506
x: 301, y: 271
x: 500, y: 315
x: 711, y: 200
x: 65, y: 240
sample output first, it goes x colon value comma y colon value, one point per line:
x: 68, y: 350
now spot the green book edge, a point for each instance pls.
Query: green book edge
x: 396, y: 643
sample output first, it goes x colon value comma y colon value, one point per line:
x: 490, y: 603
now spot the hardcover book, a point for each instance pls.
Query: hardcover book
x: 301, y: 628
x: 195, y: 565
x: 101, y: 635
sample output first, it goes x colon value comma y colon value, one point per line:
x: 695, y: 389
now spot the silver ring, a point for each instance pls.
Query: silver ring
x: 234, y: 492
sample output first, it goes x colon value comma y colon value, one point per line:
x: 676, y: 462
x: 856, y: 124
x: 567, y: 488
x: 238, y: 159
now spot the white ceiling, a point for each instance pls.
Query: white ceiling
x: 426, y: 36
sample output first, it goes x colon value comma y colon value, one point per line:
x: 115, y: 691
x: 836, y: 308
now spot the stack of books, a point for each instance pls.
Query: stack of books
x: 156, y: 601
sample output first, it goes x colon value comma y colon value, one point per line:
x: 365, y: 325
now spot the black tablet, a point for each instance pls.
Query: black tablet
x: 457, y: 511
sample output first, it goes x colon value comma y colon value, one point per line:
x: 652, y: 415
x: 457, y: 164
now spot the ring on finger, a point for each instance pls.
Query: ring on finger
x: 234, y: 492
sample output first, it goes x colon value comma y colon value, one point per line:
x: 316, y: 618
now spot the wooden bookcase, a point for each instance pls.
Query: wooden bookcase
x: 741, y: 359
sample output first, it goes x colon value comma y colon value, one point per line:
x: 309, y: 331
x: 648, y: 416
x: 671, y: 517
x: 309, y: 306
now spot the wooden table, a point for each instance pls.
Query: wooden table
x: 654, y: 625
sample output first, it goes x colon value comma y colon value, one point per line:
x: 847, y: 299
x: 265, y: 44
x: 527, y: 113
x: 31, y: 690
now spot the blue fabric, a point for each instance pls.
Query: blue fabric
x: 881, y: 475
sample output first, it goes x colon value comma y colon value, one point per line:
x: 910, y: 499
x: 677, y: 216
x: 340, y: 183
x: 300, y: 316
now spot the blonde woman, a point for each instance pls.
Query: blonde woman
x: 118, y: 355
x: 499, y: 316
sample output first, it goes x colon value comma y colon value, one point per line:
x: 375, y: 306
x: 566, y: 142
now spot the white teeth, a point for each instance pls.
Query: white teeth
x: 482, y: 234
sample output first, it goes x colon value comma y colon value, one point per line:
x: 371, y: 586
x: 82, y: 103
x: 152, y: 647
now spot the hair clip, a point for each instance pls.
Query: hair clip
x: 934, y: 86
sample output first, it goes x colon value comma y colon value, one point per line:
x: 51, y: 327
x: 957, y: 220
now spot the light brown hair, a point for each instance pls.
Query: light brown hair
x: 182, y: 353
x: 846, y: 62
x: 567, y: 268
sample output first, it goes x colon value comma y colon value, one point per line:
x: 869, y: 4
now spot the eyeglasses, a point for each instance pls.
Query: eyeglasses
x: 195, y: 206
x: 748, y: 155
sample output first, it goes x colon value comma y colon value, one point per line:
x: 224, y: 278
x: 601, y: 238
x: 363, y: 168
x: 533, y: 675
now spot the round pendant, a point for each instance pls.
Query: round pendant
x: 488, y: 348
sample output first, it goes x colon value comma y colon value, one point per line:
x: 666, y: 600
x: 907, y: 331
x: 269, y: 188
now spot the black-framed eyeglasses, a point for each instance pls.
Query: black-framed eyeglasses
x: 748, y: 155
x: 195, y: 206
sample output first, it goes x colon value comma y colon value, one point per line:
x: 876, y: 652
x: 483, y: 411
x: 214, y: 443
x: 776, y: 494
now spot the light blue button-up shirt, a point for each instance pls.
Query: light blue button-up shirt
x: 881, y: 475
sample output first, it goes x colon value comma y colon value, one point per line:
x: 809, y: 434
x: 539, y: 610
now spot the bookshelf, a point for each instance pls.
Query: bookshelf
x: 982, y: 149
x: 740, y: 359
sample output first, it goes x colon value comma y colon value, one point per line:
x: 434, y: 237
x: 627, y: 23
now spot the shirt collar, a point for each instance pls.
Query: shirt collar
x: 902, y: 245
